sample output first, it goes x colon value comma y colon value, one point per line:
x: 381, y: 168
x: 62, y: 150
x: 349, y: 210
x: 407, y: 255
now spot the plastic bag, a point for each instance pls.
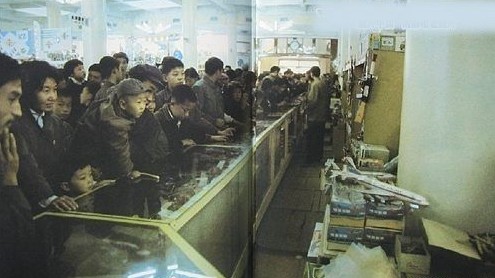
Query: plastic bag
x: 360, y: 262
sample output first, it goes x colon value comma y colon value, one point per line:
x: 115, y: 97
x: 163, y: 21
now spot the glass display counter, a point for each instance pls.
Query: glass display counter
x: 218, y: 199
x: 87, y: 245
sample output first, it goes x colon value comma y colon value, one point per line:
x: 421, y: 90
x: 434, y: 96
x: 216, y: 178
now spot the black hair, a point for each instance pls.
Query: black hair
x: 183, y: 93
x: 248, y: 77
x: 212, y: 65
x: 34, y: 75
x: 169, y: 63
x: 274, y: 69
x: 121, y: 55
x: 95, y: 67
x: 315, y: 70
x: 93, y: 87
x: 231, y: 74
x: 69, y: 67
x: 191, y: 72
x: 230, y: 88
x: 65, y: 92
x: 107, y: 65
x: 10, y: 69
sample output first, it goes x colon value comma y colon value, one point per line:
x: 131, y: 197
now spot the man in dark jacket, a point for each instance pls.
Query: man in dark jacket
x: 102, y: 141
x: 18, y: 256
x: 41, y: 137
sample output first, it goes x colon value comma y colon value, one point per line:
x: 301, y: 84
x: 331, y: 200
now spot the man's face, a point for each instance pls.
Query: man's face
x: 134, y: 105
x: 10, y: 108
x: 123, y: 65
x: 181, y: 111
x: 63, y: 107
x: 190, y: 81
x: 237, y: 95
x: 174, y: 77
x: 78, y: 73
x: 94, y: 76
x: 150, y: 89
x: 46, y: 97
x: 82, y: 180
x: 119, y: 73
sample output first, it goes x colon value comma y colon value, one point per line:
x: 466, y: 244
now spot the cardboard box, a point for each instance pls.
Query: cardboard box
x: 348, y: 221
x: 415, y: 262
x: 374, y: 151
x: 345, y: 234
x: 394, y: 224
x: 394, y: 210
x: 380, y: 235
x: 347, y: 202
x: 316, y: 243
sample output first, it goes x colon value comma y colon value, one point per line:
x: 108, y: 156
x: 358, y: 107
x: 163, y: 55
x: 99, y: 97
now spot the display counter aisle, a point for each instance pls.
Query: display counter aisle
x: 217, y: 200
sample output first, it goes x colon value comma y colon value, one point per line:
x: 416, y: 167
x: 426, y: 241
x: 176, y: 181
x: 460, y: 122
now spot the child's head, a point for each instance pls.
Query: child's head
x: 173, y: 71
x: 80, y: 182
x: 234, y: 91
x: 63, y: 106
x: 89, y: 91
x: 130, y: 97
x: 152, y: 82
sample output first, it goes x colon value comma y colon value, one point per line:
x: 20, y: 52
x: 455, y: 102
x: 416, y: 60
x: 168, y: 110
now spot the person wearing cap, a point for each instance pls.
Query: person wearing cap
x: 149, y: 144
x: 111, y: 73
x: 102, y: 141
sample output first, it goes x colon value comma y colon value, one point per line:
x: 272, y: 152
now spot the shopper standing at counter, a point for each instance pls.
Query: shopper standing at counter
x: 17, y: 245
x: 172, y: 75
x: 210, y: 94
x: 112, y: 74
x: 102, y: 141
x: 317, y: 111
x: 42, y: 138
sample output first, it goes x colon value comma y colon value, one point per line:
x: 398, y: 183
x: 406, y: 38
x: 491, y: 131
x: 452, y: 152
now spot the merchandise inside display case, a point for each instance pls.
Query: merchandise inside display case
x: 200, y: 169
x: 89, y: 246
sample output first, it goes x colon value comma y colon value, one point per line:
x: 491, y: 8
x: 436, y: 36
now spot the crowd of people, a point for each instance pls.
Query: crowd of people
x: 60, y: 130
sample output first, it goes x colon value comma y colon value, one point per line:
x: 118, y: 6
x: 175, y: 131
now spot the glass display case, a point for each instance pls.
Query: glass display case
x: 214, y: 201
x: 86, y: 245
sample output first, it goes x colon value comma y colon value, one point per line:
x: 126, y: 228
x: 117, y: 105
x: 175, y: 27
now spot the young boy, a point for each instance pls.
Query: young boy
x: 102, y: 141
x: 149, y: 145
x: 63, y: 105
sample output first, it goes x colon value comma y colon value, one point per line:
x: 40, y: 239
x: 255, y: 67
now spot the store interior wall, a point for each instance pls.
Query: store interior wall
x: 446, y: 148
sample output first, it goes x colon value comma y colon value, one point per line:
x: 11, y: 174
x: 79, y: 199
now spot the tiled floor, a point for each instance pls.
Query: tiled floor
x: 287, y: 226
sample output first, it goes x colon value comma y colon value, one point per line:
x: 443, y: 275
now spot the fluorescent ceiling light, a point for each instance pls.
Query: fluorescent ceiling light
x: 151, y: 4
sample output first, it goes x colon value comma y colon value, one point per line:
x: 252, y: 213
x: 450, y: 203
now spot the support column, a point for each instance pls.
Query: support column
x: 232, y: 41
x: 190, y: 51
x: 53, y: 14
x: 95, y: 34
x: 447, y: 149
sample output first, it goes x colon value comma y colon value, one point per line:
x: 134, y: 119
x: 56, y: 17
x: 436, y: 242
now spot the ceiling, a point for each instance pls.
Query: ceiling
x: 283, y: 17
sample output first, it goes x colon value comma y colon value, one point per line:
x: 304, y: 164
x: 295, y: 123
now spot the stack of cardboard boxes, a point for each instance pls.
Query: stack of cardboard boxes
x: 354, y: 217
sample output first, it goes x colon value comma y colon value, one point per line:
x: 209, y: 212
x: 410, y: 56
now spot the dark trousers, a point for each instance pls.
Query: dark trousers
x: 315, y: 135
